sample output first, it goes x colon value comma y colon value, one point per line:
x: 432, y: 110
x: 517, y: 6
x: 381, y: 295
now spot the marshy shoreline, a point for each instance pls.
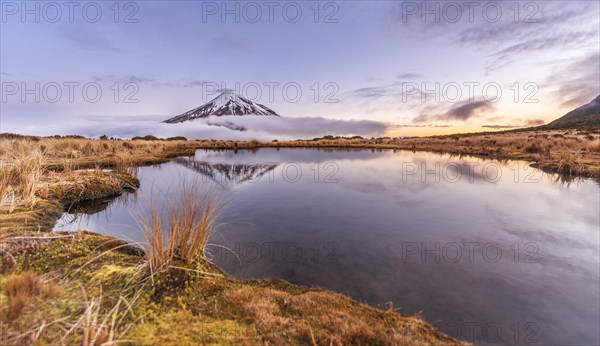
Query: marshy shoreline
x: 87, y: 288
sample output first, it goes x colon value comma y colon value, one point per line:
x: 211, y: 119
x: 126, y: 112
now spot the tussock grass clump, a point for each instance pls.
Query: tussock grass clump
x: 567, y: 164
x: 184, y: 234
x: 533, y: 148
x: 594, y: 147
x: 21, y: 168
x: 20, y: 289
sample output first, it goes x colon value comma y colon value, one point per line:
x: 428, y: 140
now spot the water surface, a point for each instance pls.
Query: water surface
x: 496, y: 253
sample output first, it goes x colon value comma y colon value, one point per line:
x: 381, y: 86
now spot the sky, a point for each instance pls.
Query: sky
x: 371, y: 68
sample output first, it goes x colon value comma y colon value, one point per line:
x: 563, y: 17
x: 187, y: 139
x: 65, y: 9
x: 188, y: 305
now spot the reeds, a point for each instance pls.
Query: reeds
x: 158, y: 251
x: 183, y: 233
x: 21, y: 168
x: 97, y: 327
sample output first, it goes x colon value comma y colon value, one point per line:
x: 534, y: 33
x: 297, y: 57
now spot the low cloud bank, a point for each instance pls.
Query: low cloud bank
x: 235, y: 128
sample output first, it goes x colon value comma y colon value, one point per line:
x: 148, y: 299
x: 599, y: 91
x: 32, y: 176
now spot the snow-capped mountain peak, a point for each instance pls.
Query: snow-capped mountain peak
x: 227, y: 103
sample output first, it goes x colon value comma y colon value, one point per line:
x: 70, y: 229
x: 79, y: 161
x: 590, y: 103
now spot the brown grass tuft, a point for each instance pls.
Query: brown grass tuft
x: 21, y: 168
x: 191, y: 220
x: 533, y: 148
x: 98, y: 327
x: 19, y: 291
x: 594, y: 147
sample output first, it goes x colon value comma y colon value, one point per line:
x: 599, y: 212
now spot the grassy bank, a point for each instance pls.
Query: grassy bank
x: 569, y: 152
x: 55, y: 192
x: 84, y: 288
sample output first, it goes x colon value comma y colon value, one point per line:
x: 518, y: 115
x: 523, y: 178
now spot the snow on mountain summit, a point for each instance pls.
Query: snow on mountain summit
x: 226, y: 104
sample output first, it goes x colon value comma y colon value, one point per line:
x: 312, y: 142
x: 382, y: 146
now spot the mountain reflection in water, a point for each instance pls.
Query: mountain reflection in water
x: 226, y: 173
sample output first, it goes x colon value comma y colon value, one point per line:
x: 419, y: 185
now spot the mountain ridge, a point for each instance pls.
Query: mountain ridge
x: 583, y: 117
x: 226, y: 104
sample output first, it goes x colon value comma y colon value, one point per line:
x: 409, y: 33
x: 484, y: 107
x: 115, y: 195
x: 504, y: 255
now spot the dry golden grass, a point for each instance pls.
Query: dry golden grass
x: 316, y: 317
x: 191, y: 219
x: 158, y: 253
x: 20, y: 289
x: 95, y: 327
x: 594, y: 146
x: 21, y: 168
x: 123, y: 150
x: 23, y: 162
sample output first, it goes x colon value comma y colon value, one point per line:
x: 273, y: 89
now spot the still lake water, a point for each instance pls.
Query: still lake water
x: 490, y: 252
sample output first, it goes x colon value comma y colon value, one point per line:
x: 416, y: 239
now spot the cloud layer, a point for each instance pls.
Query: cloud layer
x: 262, y: 128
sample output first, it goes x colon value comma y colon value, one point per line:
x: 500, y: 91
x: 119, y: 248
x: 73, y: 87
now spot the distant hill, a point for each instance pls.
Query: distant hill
x: 584, y: 117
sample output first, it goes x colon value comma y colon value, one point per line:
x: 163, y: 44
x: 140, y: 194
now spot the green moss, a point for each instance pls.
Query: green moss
x: 181, y: 327
x: 66, y: 255
x: 111, y: 274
